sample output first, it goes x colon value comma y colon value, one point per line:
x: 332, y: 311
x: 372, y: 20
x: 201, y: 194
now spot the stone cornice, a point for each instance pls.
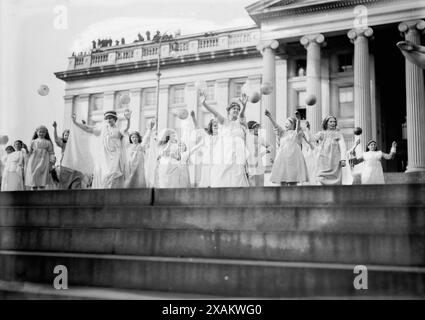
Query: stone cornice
x: 150, y: 65
x: 275, y: 10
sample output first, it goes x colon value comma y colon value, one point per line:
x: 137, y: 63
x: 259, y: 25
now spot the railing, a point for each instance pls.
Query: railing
x: 181, y: 47
x: 79, y: 61
x: 149, y: 50
x: 127, y: 54
x: 206, y: 44
x: 99, y: 58
x: 240, y: 39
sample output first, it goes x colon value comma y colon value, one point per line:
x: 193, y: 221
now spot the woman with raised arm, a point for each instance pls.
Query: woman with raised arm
x: 230, y: 152
x: 109, y: 160
x: 207, y: 138
x: 136, y: 176
x: 331, y: 154
x: 289, y: 167
x: 68, y: 178
x: 372, y: 172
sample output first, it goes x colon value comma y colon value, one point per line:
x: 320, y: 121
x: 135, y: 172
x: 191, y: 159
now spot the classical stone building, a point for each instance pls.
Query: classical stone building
x: 343, y: 52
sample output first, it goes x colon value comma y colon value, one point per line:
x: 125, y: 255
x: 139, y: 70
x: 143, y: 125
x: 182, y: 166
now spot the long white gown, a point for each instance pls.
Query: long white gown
x: 207, y: 159
x: 230, y: 156
x: 289, y: 165
x: 109, y: 166
x: 136, y: 167
x: 173, y: 169
x: 372, y: 172
x: 12, y: 179
x: 332, y: 150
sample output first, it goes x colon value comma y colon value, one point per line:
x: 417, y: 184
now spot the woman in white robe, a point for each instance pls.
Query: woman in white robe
x: 289, y: 166
x: 136, y: 175
x: 13, y: 173
x: 109, y: 158
x: 372, y: 172
x: 230, y: 153
x: 209, y: 141
x: 332, y: 155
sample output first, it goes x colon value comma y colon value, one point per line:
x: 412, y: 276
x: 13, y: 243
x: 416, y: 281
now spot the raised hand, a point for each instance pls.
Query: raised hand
x: 152, y: 124
x: 243, y: 99
x: 192, y: 114
x: 74, y: 117
x: 394, y: 145
x: 202, y: 96
x: 54, y: 124
x: 297, y: 115
x: 127, y: 114
x: 268, y: 113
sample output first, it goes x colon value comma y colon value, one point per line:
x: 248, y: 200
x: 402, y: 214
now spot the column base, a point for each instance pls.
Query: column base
x: 415, y: 169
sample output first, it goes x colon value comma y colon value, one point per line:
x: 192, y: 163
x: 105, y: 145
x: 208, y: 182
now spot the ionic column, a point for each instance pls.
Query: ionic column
x: 415, y: 101
x: 362, y: 97
x: 313, y: 44
x: 269, y: 101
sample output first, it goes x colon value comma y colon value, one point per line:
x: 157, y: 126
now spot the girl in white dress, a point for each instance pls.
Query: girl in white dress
x: 209, y: 138
x: 41, y: 158
x: 372, y: 172
x: 258, y: 148
x: 109, y: 164
x: 12, y: 179
x: 310, y: 152
x: 136, y: 175
x: 230, y: 153
x: 289, y: 166
x: 173, y: 160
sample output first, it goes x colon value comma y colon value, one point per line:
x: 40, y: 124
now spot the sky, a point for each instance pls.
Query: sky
x: 37, y: 37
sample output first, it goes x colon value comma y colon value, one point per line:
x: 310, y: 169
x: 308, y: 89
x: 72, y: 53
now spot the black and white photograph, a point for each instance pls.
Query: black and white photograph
x: 223, y: 152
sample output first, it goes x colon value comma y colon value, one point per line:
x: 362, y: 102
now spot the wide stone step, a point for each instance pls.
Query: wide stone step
x: 400, y: 195
x: 386, y: 249
x: 336, y: 219
x: 212, y: 277
x: 36, y: 291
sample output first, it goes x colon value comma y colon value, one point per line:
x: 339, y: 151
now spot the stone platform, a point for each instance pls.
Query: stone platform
x: 294, y: 242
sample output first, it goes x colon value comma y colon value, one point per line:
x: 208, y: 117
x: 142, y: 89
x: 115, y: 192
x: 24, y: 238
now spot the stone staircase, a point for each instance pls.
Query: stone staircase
x: 296, y: 242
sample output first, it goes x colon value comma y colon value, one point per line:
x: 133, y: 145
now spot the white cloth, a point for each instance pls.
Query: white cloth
x: 173, y: 169
x: 289, y: 165
x: 12, y: 179
x: 230, y: 156
x: 372, y: 170
x: 257, y: 148
x: 102, y: 154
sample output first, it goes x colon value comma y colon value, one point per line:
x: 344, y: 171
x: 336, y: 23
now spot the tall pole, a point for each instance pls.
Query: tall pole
x: 158, y: 79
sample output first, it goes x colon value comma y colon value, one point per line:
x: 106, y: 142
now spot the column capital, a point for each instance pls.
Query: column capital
x: 355, y: 34
x: 412, y: 25
x: 312, y: 38
x: 268, y: 44
x: 68, y: 97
